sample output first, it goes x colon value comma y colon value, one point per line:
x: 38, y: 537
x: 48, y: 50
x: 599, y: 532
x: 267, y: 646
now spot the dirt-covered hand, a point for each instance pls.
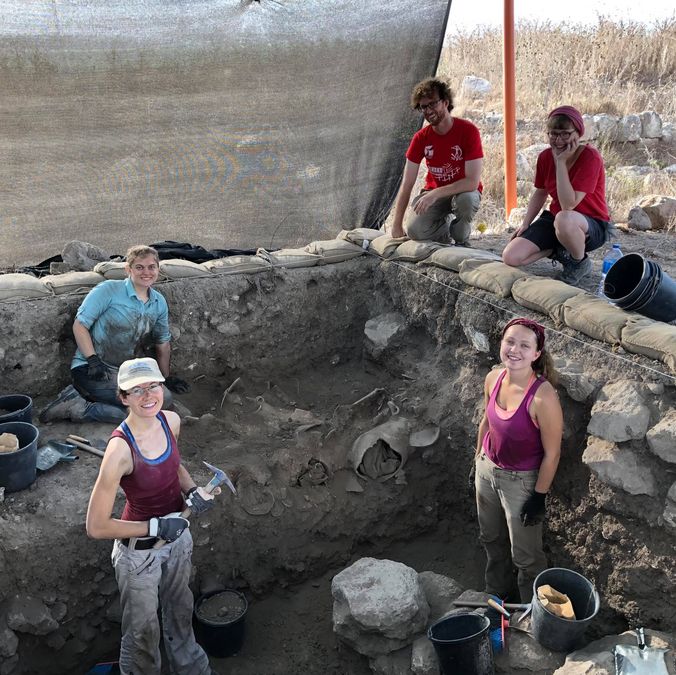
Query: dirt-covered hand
x: 177, y: 385
x: 533, y: 510
x: 169, y: 528
x: 97, y: 369
x: 199, y: 500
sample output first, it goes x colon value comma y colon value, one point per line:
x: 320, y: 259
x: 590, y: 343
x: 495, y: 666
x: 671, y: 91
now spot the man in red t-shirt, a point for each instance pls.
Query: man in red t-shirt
x: 452, y: 151
x: 577, y: 221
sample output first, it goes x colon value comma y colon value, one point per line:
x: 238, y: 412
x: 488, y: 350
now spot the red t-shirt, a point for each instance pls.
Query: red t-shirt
x: 586, y: 175
x: 446, y: 155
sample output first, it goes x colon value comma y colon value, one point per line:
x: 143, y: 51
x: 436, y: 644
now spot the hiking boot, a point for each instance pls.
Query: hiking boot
x: 560, y: 254
x: 464, y: 244
x: 68, y: 405
x: 575, y: 270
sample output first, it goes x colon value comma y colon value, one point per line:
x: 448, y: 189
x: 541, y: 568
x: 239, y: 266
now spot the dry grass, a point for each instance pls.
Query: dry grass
x: 617, y: 68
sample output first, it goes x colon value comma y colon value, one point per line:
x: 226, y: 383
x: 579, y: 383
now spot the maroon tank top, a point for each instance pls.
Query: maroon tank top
x: 152, y: 488
x: 513, y: 443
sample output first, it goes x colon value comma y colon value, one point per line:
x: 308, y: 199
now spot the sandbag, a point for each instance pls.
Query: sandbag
x: 15, y: 286
x: 238, y: 264
x: 112, y: 269
x: 450, y: 257
x: 334, y: 250
x: 176, y: 268
x: 414, y: 251
x: 386, y: 245
x: 595, y: 317
x: 544, y: 295
x: 71, y: 282
x: 654, y: 339
x: 289, y: 257
x: 361, y: 236
x: 495, y: 277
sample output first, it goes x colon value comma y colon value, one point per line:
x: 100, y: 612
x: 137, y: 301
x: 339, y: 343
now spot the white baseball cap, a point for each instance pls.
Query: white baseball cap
x: 138, y: 371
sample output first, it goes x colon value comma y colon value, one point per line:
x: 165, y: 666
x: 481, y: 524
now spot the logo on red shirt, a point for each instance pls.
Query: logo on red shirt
x: 456, y: 153
x: 429, y: 151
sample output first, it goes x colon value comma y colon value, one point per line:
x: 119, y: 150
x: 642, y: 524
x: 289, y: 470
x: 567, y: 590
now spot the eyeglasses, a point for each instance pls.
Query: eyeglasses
x: 563, y: 135
x: 427, y: 106
x: 137, y: 392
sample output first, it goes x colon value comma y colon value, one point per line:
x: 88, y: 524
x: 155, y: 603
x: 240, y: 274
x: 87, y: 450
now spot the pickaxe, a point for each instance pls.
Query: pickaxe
x: 219, y: 478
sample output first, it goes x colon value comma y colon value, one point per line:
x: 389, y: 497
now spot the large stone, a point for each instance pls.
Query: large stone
x: 524, y: 169
x: 394, y: 663
x: 379, y: 606
x: 668, y: 132
x: 531, y: 152
x: 669, y: 514
x: 573, y: 378
x: 79, y: 255
x: 525, y: 655
x: 629, y: 128
x: 382, y: 330
x: 26, y: 614
x: 423, y: 658
x: 9, y: 642
x: 662, y: 438
x: 651, y: 124
x: 440, y: 592
x: 638, y: 219
x: 619, y: 413
x: 590, y: 129
x: 475, y: 87
x: 516, y: 217
x: 660, y: 209
x: 606, y: 126
x: 619, y: 467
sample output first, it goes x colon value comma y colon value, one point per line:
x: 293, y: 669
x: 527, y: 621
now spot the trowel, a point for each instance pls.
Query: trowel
x: 52, y: 452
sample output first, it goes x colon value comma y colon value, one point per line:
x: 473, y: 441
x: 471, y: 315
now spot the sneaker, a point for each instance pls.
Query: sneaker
x: 575, y: 270
x: 68, y: 405
x: 464, y: 244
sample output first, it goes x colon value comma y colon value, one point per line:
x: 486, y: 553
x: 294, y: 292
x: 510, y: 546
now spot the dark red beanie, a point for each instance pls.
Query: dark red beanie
x: 573, y: 114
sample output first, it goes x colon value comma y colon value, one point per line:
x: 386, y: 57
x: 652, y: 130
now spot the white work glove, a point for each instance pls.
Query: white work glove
x: 169, y: 528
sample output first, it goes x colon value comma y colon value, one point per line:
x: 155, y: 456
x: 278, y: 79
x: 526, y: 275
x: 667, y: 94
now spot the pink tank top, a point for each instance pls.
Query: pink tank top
x: 513, y: 442
x: 152, y: 488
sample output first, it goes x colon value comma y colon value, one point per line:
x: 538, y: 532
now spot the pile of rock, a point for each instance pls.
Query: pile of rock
x: 382, y: 609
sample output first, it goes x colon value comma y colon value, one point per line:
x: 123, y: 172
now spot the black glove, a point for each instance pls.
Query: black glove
x: 196, y: 502
x: 97, y: 369
x: 177, y: 385
x: 533, y: 510
x: 471, y: 487
x: 169, y: 529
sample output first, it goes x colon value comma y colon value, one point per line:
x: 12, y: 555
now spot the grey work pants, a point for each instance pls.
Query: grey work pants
x: 146, y: 579
x: 433, y: 224
x: 500, y: 496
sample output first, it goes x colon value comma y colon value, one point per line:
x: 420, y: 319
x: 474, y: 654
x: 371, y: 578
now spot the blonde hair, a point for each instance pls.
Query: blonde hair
x: 141, y: 251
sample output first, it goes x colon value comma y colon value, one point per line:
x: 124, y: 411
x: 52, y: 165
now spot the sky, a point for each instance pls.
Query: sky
x: 467, y: 14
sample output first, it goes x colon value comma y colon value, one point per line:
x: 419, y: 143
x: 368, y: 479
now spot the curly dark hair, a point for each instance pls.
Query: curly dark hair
x: 427, y: 88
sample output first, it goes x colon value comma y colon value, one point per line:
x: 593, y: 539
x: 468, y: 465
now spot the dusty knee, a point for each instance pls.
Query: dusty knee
x: 512, y: 257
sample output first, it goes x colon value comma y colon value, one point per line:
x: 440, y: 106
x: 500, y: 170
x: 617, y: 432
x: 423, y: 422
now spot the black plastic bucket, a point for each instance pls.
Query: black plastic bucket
x: 16, y: 408
x: 17, y: 469
x: 640, y: 285
x: 554, y: 632
x: 221, y: 636
x: 462, y: 644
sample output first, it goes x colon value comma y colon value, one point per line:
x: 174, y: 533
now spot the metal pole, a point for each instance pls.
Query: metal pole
x: 509, y: 105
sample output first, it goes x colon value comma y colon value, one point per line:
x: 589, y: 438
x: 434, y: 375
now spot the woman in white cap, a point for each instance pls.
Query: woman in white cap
x: 571, y: 173
x: 142, y: 458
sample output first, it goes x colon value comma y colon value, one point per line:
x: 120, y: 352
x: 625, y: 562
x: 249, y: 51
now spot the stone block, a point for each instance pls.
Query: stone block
x: 79, y: 255
x: 26, y: 614
x: 475, y: 87
x: 424, y: 658
x: 619, y: 413
x: 590, y: 129
x: 440, y: 592
x: 638, y: 219
x: 379, y: 606
x: 662, y: 438
x: 606, y: 126
x: 619, y: 467
x: 651, y: 124
x: 526, y: 655
x: 629, y: 128
x: 572, y: 377
x: 382, y: 330
x: 661, y: 210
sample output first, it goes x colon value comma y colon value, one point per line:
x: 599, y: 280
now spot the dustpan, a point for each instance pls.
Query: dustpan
x: 52, y: 452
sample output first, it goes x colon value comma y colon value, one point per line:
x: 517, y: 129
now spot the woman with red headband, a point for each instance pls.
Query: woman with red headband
x: 517, y: 454
x: 577, y: 221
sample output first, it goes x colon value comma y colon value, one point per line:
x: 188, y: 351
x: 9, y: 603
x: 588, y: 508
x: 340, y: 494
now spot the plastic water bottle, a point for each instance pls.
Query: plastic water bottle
x: 609, y: 260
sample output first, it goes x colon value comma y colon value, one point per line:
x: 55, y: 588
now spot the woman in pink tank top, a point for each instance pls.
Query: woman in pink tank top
x: 517, y: 454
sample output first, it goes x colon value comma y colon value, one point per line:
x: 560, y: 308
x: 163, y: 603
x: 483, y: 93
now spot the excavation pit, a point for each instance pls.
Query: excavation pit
x: 312, y: 378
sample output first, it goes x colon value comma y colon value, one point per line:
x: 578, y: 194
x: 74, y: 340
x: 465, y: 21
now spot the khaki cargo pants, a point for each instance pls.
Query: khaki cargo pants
x: 433, y: 225
x: 500, y: 496
x: 147, y: 579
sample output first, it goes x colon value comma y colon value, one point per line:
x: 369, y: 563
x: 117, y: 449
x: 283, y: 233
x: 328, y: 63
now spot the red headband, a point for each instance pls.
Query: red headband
x: 573, y: 114
x: 537, y: 328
